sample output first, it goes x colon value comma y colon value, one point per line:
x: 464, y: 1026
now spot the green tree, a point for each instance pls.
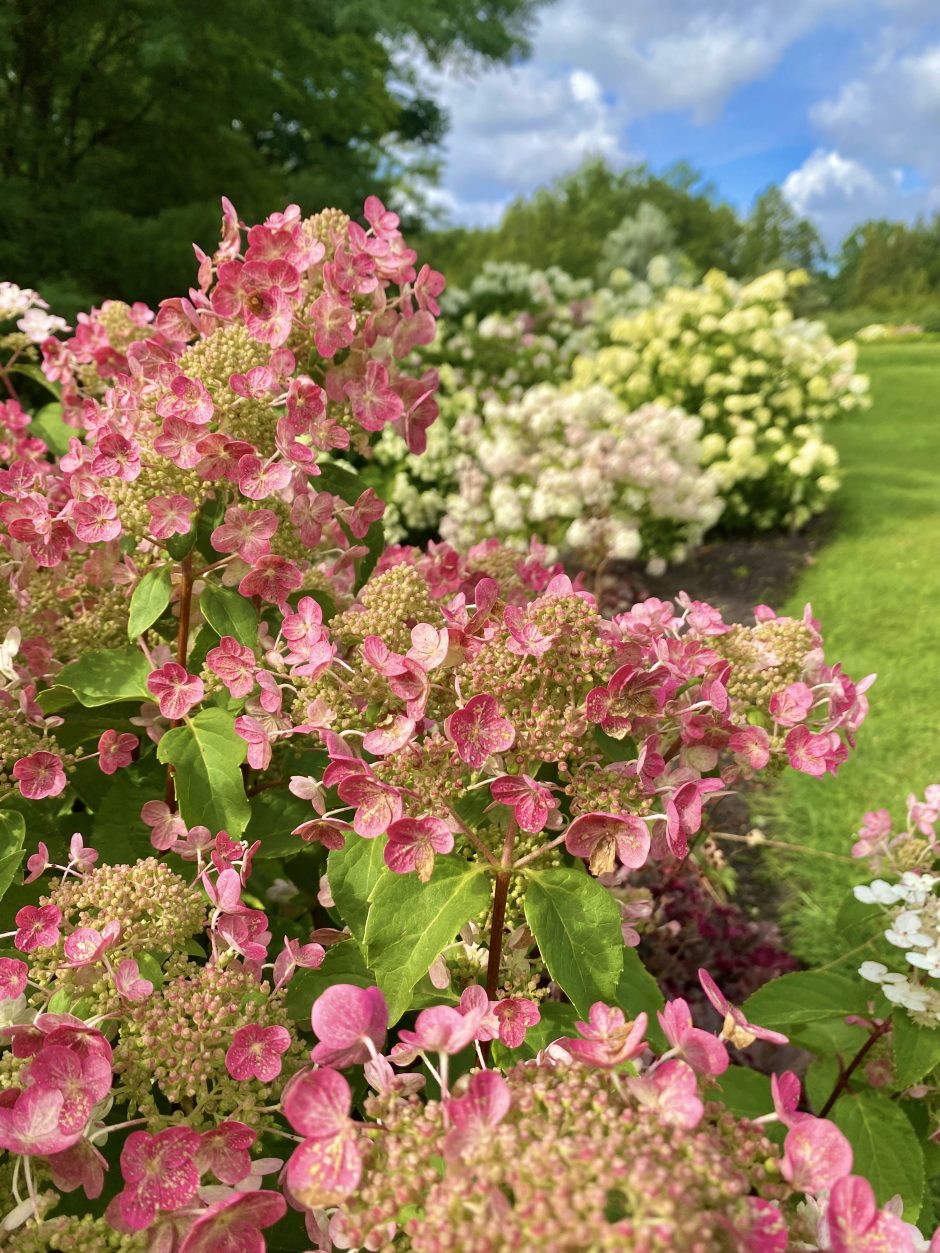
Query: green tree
x: 123, y: 121
x: 776, y: 236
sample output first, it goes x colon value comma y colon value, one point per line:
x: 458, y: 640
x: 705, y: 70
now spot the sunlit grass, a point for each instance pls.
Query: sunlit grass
x: 876, y: 589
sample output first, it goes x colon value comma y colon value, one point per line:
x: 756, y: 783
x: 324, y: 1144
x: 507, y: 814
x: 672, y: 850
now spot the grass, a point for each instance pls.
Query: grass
x: 876, y: 590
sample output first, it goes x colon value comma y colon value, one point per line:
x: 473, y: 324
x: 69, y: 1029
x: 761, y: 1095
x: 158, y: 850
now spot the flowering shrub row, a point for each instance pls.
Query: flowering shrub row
x: 764, y: 383
x: 742, y: 388
x: 298, y: 811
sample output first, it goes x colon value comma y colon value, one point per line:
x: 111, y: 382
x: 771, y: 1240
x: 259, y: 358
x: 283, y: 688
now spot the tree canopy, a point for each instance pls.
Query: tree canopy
x: 123, y: 121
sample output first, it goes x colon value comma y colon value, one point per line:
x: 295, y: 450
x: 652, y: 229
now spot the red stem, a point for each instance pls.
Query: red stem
x: 854, y: 1065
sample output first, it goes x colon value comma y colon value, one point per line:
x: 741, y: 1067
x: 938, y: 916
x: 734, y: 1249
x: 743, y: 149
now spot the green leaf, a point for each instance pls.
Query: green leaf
x: 576, y: 924
x: 352, y: 873
x: 916, y: 1049
x: 615, y: 749
x: 857, y: 922
x: 805, y: 997
x: 411, y: 922
x: 151, y: 596
x: 12, y: 846
x: 745, y: 1092
x: 638, y: 992
x: 821, y: 1079
x: 180, y: 546
x: 47, y: 424
x: 343, y: 963
x: 274, y: 814
x: 206, y: 753
x: 120, y: 834
x: 885, y: 1148
x: 229, y: 614
x: 340, y: 481
x: 35, y: 373
x: 105, y: 675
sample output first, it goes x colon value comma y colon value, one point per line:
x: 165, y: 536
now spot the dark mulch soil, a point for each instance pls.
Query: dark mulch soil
x: 732, y: 574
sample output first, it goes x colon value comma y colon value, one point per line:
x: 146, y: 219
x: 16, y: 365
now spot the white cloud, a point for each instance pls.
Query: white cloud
x: 596, y: 66
x: 837, y: 192
x: 892, y: 112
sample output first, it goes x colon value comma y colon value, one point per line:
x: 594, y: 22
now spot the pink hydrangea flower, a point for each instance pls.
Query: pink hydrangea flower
x: 604, y: 838
x: 245, y: 532
x: 474, y: 1115
x: 116, y: 750
x: 608, y: 1038
x: 327, y: 1166
x: 350, y: 1024
x: 856, y: 1225
x: 87, y: 945
x: 255, y: 1052
x: 39, y: 775
x: 13, y: 978
x: 234, y: 664
x: 515, y: 1015
x: 166, y: 826
x: 30, y: 1126
x: 129, y: 982
x: 736, y: 1029
x: 273, y: 579
x: 223, y: 1149
x: 413, y: 842
x: 378, y: 805
x: 37, y: 927
x: 176, y: 690
x: 479, y: 730
x: 815, y: 1155
x: 95, y: 520
x: 81, y: 857
x: 700, y: 1049
x: 255, y: 735
x: 234, y: 1224
x: 526, y: 640
x: 170, y: 515
x: 530, y: 801
x: 439, y: 1029
x: 684, y: 812
x: 671, y: 1090
x: 37, y: 863
x: 792, y: 704
x: 160, y: 1173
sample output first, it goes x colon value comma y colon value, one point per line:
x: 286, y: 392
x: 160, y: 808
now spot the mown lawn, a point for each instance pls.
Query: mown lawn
x: 876, y: 590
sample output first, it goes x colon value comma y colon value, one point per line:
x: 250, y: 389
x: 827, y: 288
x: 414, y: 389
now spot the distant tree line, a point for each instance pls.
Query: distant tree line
x: 123, y: 121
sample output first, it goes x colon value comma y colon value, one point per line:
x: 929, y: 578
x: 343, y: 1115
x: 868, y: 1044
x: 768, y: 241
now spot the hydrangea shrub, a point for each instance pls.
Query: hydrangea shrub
x: 764, y: 383
x: 322, y: 940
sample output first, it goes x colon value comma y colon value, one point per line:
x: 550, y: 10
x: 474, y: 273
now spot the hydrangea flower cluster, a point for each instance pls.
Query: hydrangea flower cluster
x: 764, y: 383
x: 204, y: 426
x: 910, y: 903
x: 594, y: 1143
x: 34, y: 322
x: 584, y: 475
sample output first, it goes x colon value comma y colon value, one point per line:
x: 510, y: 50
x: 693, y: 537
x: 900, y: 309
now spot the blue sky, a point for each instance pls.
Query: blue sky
x: 838, y: 101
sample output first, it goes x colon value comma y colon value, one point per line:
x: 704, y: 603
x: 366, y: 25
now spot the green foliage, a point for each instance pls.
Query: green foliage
x: 885, y: 1147
x: 411, y: 922
x: 12, y: 846
x: 105, y: 675
x: 206, y: 753
x: 228, y: 613
x: 638, y: 992
x: 916, y: 1049
x: 576, y: 924
x: 343, y: 964
x: 151, y: 596
x: 352, y: 873
x: 806, y: 997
